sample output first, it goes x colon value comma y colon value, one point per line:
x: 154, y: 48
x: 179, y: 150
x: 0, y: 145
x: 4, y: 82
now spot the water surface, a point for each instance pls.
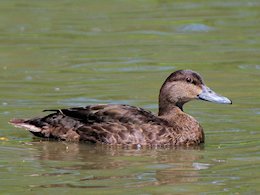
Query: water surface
x: 75, y: 53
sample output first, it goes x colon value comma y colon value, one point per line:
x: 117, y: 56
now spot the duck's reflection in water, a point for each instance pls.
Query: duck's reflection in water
x: 124, y: 167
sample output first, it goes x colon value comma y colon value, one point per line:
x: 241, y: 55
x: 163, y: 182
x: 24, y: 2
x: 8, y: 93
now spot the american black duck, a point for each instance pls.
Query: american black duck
x: 129, y: 125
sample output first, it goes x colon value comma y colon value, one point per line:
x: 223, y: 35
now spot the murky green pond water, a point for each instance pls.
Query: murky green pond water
x: 75, y: 53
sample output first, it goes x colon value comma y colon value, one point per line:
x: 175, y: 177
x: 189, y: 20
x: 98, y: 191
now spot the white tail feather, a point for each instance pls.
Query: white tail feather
x: 27, y: 127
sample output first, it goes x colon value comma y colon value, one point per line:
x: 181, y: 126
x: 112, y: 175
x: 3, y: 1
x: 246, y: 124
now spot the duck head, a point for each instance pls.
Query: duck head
x: 183, y: 86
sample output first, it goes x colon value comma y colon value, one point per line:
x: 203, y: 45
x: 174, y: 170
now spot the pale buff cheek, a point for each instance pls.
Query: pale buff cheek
x: 194, y: 91
x: 185, y: 91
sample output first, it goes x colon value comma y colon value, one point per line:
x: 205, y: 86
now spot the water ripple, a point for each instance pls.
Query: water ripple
x: 200, y: 166
x: 249, y: 67
x: 85, y: 101
x: 138, y: 69
x: 195, y: 28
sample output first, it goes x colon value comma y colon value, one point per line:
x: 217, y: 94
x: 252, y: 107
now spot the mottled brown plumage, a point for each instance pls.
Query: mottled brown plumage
x: 124, y: 124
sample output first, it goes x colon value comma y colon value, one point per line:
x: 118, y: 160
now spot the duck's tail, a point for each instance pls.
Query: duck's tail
x: 24, y: 124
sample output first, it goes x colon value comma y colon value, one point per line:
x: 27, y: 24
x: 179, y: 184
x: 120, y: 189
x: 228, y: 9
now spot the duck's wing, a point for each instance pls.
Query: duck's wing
x: 116, y: 124
x: 107, y: 113
x: 113, y: 124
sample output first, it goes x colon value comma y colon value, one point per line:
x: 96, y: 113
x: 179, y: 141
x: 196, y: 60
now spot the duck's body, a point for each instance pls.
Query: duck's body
x: 123, y: 124
x: 116, y: 124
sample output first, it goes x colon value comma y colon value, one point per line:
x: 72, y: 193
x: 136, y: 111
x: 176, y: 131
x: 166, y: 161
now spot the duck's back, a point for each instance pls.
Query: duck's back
x: 111, y: 124
x: 105, y: 113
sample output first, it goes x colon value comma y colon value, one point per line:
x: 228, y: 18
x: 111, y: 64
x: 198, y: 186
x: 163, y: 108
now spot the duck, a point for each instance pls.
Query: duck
x: 120, y: 124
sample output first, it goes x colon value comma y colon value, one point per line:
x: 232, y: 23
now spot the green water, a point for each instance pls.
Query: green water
x: 75, y: 53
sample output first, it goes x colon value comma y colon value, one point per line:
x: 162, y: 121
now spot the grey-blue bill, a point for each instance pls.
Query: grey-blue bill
x: 209, y: 95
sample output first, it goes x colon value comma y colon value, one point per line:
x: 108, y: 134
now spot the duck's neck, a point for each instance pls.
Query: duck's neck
x: 168, y: 103
x: 166, y: 108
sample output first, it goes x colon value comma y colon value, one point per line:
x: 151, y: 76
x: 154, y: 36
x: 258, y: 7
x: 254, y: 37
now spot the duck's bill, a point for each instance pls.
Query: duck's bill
x: 208, y: 95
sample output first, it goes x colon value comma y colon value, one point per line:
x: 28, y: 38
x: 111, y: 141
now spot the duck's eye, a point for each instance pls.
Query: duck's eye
x: 189, y: 80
